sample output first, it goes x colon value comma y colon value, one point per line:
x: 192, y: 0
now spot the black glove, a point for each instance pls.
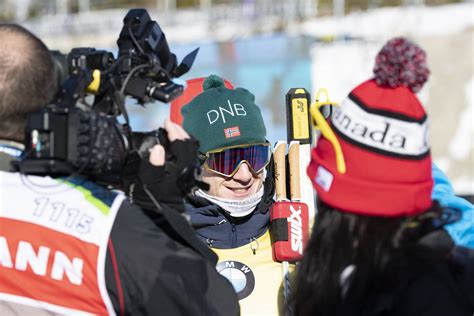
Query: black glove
x: 170, y: 183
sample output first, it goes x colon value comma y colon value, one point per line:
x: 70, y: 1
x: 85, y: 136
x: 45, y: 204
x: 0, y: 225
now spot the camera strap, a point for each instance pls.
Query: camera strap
x: 183, y: 228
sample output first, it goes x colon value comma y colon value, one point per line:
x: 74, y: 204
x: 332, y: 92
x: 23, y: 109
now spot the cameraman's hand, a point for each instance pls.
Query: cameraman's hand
x: 175, y: 132
x: 161, y: 175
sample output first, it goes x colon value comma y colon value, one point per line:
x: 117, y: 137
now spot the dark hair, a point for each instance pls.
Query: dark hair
x: 376, y: 246
x: 27, y: 80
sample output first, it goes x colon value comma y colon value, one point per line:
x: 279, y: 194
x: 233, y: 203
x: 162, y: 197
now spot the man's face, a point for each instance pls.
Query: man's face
x: 241, y: 186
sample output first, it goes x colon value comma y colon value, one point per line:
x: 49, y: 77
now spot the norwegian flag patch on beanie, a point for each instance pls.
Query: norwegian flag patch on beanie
x: 232, y: 132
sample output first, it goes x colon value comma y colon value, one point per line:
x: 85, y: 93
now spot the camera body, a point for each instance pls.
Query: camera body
x: 80, y: 57
x: 70, y: 136
x: 66, y: 141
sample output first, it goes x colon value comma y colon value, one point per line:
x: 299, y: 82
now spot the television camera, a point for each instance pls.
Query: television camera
x: 72, y: 135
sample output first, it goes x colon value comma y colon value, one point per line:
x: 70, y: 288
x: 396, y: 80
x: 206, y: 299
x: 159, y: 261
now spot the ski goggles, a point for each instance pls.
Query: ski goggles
x: 227, y: 161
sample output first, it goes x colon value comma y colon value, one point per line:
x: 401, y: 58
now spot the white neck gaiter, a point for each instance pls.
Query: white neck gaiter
x: 236, y: 208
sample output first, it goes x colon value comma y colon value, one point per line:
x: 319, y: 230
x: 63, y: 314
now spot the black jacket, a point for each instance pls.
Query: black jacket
x: 428, y: 284
x: 158, y: 273
x: 155, y: 269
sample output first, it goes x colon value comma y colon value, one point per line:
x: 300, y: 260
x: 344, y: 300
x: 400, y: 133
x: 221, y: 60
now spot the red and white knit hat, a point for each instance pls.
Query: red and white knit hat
x: 382, y: 129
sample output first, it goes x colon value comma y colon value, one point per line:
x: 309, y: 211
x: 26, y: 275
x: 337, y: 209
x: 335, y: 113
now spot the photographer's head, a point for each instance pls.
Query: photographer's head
x: 27, y: 78
x: 231, y: 132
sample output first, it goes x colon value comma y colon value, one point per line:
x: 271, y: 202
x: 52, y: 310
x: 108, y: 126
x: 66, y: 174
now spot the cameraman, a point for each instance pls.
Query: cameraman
x: 70, y: 246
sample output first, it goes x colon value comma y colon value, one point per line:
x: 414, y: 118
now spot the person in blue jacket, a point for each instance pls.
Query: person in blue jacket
x: 458, y: 240
x: 461, y: 231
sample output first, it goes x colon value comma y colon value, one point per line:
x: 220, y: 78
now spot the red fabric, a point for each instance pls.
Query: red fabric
x: 193, y: 88
x: 375, y: 183
x: 41, y: 287
x: 399, y: 100
x: 297, y: 229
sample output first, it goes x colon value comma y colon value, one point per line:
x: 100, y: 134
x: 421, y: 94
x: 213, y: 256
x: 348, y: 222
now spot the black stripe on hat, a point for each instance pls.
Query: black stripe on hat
x: 390, y: 114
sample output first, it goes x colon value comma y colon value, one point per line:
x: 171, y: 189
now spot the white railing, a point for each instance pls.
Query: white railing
x: 94, y: 16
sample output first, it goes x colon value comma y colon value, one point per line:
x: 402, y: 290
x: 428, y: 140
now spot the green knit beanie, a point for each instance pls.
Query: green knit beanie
x: 220, y: 117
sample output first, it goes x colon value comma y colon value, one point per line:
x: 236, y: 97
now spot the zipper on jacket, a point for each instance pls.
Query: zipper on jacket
x: 254, y: 245
x: 209, y: 242
x: 233, y: 235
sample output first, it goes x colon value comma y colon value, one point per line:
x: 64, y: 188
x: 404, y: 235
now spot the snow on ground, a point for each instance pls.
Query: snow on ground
x: 379, y: 23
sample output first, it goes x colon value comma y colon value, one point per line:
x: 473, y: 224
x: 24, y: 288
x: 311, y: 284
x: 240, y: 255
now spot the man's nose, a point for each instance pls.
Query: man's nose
x: 243, y: 174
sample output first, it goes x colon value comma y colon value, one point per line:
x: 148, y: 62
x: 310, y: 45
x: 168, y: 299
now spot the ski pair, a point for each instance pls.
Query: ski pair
x: 292, y: 216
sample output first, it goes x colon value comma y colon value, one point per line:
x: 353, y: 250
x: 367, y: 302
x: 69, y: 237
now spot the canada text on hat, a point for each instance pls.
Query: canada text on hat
x: 382, y: 129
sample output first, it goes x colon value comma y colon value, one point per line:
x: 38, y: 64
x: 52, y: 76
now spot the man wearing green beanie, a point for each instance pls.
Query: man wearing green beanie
x: 232, y: 217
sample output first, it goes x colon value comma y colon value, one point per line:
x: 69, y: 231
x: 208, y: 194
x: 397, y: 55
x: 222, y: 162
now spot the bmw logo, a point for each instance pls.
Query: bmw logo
x: 239, y: 275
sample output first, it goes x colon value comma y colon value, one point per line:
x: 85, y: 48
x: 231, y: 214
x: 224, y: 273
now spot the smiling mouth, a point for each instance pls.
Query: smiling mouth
x: 240, y: 190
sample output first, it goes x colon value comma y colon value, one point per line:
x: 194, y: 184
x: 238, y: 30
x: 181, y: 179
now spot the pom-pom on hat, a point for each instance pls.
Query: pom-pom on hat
x: 382, y: 129
x: 220, y: 117
x: 401, y: 63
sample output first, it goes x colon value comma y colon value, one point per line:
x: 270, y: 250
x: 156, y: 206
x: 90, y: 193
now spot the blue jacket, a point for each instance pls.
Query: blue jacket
x: 213, y: 226
x: 462, y: 231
